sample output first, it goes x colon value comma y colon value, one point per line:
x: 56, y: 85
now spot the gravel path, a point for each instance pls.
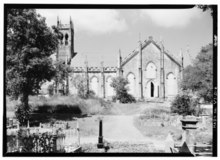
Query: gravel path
x: 119, y: 130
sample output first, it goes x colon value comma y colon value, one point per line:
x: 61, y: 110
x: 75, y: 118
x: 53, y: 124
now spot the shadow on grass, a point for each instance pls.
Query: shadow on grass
x: 60, y: 112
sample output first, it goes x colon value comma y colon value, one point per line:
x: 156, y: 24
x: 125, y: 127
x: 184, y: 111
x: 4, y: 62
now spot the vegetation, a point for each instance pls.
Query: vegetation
x: 205, y: 8
x: 50, y: 90
x: 185, y: 104
x: 119, y: 84
x: 199, y: 77
x: 80, y: 83
x: 157, y: 123
x: 29, y: 44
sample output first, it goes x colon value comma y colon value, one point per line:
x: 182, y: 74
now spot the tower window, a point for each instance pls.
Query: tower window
x: 66, y: 39
x: 61, y: 38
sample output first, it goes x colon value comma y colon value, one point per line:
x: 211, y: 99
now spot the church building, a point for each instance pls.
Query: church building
x: 152, y: 72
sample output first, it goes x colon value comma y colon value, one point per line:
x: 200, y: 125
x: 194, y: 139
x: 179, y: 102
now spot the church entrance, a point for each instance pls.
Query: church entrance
x: 151, y: 89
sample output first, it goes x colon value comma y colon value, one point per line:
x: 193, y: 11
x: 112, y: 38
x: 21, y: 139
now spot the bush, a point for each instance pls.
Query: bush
x: 184, y: 104
x: 119, y: 85
x: 124, y: 98
x: 50, y: 89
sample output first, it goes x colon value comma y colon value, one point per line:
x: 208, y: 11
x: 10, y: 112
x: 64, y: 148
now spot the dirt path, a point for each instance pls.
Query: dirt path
x: 120, y: 128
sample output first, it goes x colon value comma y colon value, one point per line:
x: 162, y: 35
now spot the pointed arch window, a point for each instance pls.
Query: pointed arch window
x: 151, y: 70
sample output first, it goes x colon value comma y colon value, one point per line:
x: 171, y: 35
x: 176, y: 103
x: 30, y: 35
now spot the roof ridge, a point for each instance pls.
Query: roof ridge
x: 145, y: 43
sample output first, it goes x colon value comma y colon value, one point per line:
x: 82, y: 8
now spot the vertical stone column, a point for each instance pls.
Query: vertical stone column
x: 162, y: 77
x: 140, y: 76
x: 103, y: 79
x: 86, y: 76
x: 119, y: 72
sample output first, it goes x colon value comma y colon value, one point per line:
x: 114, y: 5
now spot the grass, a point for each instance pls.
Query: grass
x: 157, y: 123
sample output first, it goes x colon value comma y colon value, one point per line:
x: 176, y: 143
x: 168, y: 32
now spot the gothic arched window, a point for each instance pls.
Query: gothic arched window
x: 151, y: 70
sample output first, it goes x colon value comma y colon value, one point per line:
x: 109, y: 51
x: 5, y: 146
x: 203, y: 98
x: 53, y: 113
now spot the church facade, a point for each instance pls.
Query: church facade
x: 151, y: 71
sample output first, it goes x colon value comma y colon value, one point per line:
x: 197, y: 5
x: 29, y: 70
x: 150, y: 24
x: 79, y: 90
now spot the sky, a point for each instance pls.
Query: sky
x: 100, y: 33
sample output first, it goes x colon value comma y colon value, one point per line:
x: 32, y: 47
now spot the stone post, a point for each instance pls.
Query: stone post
x: 188, y: 126
x: 100, y: 140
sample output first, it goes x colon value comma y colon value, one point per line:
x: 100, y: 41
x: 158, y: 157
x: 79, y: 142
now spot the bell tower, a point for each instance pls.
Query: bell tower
x: 65, y: 50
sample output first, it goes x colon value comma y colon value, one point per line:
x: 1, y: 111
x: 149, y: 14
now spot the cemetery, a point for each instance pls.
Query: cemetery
x: 162, y: 132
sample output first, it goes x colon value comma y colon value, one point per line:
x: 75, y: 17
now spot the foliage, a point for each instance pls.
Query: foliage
x: 22, y: 113
x: 205, y: 8
x: 50, y: 89
x: 119, y: 85
x: 80, y: 83
x: 199, y: 76
x: 29, y: 44
x: 185, y: 104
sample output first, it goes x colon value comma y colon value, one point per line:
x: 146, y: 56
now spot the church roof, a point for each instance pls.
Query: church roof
x: 144, y: 45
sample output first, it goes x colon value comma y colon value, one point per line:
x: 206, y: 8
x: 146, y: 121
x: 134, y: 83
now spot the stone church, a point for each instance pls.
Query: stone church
x: 152, y: 72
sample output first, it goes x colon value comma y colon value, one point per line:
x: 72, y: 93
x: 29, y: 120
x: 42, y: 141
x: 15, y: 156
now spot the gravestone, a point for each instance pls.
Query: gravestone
x: 189, y: 126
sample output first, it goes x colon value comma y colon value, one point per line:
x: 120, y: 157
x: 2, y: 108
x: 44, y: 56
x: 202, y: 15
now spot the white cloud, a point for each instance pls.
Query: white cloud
x: 172, y: 17
x: 91, y: 20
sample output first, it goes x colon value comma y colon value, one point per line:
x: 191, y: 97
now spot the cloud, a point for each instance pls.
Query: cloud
x: 91, y: 20
x: 172, y: 17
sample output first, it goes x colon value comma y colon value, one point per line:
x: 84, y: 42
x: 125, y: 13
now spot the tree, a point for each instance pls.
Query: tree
x: 29, y: 44
x: 199, y: 76
x: 205, y: 8
x: 119, y: 84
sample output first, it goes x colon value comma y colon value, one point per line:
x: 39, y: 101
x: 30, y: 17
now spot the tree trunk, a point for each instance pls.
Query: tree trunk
x: 24, y: 110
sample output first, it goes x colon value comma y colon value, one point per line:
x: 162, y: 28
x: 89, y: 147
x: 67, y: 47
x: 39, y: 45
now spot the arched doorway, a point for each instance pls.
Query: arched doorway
x: 109, y: 89
x: 151, y: 90
x: 94, y: 85
x: 171, y: 85
x: 131, y: 84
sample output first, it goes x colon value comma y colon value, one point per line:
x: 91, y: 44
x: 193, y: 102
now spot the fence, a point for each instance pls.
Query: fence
x: 33, y: 140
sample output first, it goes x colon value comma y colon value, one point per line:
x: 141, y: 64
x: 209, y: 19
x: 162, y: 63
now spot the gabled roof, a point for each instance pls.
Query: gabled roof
x: 144, y: 45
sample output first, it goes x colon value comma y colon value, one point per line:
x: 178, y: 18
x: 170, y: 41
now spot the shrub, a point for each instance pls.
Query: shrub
x: 184, y: 104
x: 119, y: 85
x: 124, y: 98
x: 50, y: 89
